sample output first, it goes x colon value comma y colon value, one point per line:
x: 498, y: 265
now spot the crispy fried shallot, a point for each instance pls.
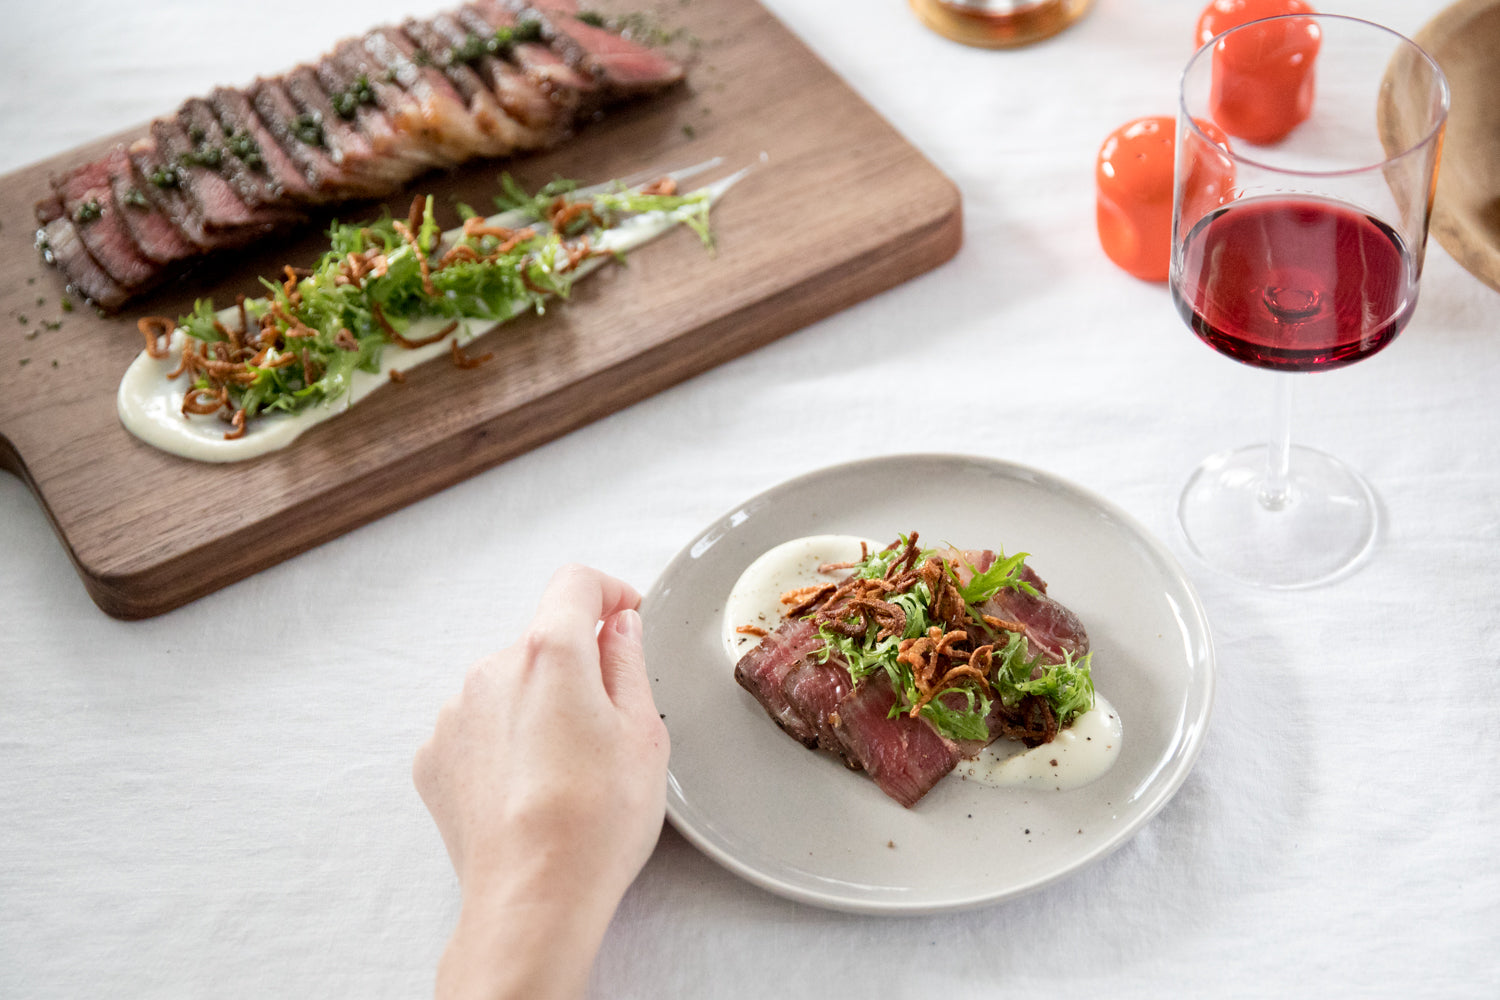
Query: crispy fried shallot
x: 937, y: 663
x: 563, y: 213
x: 204, y: 401
x: 462, y: 360
x: 238, y: 420
x: 400, y: 341
x: 665, y: 186
x: 957, y: 652
x: 458, y: 252
x: 157, y: 330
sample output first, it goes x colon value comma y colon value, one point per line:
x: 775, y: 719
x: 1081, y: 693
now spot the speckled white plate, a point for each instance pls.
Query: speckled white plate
x: 798, y: 823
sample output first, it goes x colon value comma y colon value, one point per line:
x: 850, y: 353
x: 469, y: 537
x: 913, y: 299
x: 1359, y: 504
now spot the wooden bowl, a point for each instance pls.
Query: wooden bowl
x: 1465, y: 41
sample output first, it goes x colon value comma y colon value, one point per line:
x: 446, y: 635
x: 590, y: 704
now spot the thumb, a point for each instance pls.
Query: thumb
x: 622, y: 662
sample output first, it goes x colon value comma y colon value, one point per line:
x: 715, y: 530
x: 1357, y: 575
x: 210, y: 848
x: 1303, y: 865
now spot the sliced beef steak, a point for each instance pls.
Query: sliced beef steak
x: 905, y: 756
x: 815, y: 703
x: 362, y: 122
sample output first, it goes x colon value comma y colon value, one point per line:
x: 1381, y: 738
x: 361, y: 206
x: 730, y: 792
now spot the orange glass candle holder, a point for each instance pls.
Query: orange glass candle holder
x: 1263, y: 76
x: 1133, y: 186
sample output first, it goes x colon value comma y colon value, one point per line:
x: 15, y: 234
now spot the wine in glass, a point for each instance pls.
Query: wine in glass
x: 1297, y: 247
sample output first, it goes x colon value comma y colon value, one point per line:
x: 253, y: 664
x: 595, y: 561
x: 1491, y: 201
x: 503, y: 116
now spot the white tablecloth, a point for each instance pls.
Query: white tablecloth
x: 217, y: 802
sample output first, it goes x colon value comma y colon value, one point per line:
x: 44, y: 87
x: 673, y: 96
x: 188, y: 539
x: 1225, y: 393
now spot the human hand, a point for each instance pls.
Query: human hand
x: 546, y: 776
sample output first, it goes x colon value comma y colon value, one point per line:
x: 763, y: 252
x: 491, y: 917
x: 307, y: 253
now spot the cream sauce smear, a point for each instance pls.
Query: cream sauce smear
x: 1077, y: 756
x: 150, y: 405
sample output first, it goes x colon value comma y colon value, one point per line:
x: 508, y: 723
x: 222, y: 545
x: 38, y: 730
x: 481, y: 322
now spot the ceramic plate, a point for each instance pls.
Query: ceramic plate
x: 798, y: 823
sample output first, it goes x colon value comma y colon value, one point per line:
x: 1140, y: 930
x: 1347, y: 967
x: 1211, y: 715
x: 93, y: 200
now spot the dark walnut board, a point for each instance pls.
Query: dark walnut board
x: 840, y: 209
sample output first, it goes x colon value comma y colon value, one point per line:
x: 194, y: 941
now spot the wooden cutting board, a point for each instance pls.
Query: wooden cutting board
x: 838, y: 208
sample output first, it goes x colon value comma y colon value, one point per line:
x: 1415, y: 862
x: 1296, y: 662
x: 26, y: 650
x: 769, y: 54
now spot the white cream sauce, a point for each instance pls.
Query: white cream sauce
x: 150, y: 404
x: 755, y: 599
x: 1077, y: 756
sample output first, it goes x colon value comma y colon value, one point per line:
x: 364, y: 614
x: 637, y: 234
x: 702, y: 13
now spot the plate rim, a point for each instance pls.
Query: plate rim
x: 1202, y: 691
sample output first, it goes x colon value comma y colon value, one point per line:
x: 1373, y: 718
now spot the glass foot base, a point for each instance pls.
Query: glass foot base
x: 1318, y: 530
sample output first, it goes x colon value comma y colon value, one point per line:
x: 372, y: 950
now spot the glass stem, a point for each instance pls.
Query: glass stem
x: 1276, y: 490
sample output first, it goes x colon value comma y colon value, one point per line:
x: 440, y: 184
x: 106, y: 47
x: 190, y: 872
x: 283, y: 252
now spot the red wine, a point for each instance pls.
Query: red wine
x: 1295, y: 284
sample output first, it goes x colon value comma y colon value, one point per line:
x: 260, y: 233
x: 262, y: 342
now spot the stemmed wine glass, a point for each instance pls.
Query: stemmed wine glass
x: 1297, y: 246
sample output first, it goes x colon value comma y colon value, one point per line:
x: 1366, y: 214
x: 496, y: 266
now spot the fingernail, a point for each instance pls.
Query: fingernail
x: 628, y: 624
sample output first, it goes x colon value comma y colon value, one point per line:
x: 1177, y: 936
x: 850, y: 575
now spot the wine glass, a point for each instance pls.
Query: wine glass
x: 1297, y: 246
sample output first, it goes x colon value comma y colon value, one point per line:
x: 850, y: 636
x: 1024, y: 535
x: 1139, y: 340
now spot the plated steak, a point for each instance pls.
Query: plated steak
x: 492, y: 78
x: 878, y: 725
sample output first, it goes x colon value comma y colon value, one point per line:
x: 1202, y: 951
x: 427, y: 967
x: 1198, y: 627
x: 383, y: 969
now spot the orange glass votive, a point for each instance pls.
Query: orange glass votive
x: 1263, y: 77
x: 1133, y: 191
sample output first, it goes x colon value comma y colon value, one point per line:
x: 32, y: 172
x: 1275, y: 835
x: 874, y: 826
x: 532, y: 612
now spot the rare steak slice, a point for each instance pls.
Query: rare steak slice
x: 530, y: 118
x: 158, y: 238
x: 301, y: 139
x: 621, y: 66
x: 61, y: 245
x: 764, y: 671
x: 238, y: 161
x: 1052, y: 630
x: 346, y: 145
x: 89, y: 201
x: 249, y: 137
x: 497, y: 127
x: 905, y: 756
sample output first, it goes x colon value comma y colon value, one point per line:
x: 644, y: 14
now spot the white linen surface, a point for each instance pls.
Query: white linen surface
x: 217, y: 802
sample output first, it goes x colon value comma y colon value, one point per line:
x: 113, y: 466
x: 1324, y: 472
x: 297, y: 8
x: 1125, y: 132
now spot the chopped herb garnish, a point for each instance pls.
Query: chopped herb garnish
x: 592, y: 17
x: 88, y: 212
x: 165, y: 176
x: 135, y: 198
x: 245, y: 149
x: 348, y: 101
x: 471, y: 48
x: 513, y: 197
x: 527, y: 30
x: 202, y: 155
x: 308, y: 128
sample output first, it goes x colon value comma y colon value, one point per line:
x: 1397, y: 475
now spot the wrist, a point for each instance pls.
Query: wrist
x: 521, y: 937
